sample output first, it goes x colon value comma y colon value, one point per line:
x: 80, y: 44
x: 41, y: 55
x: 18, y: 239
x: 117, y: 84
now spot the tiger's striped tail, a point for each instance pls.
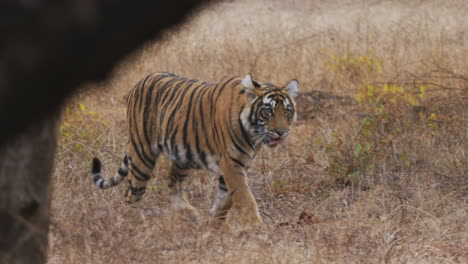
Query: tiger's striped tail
x: 102, y: 183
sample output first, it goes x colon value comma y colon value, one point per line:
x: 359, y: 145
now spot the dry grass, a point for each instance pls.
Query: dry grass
x: 403, y: 200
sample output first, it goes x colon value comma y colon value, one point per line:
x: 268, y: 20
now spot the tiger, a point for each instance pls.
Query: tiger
x: 218, y: 127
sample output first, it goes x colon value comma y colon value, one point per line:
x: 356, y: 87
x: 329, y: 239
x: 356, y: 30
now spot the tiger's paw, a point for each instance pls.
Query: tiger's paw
x: 184, y: 208
x: 254, y: 226
x: 251, y: 219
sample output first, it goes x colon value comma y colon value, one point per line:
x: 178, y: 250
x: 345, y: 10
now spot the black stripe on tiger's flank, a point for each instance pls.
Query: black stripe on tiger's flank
x: 142, y: 92
x: 171, y: 138
x: 164, y: 103
x: 141, y: 176
x: 185, y: 128
x: 195, y: 124
x: 189, y: 154
x: 169, y: 96
x: 178, y: 96
x: 141, y: 150
x: 141, y: 111
x: 142, y: 156
x: 173, y: 95
x: 203, y: 120
x: 203, y: 159
x: 155, y: 103
x: 234, y: 142
x: 238, y: 162
x: 147, y: 108
x: 170, y: 120
x: 174, y: 111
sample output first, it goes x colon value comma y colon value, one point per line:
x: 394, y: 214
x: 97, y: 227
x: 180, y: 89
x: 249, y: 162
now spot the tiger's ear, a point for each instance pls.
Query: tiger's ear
x: 292, y: 88
x: 251, y: 87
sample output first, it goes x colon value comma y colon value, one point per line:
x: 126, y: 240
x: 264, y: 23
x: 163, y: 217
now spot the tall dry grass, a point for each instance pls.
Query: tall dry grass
x: 398, y: 197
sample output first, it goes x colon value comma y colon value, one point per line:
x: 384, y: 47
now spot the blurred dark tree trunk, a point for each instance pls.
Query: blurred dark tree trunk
x: 26, y: 163
x: 48, y: 48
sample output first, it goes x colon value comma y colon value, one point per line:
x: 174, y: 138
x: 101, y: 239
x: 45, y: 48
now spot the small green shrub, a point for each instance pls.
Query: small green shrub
x: 81, y: 130
x: 385, y: 113
x: 279, y: 186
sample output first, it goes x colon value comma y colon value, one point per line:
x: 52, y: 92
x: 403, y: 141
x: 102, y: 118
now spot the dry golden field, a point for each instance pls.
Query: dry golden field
x: 375, y: 170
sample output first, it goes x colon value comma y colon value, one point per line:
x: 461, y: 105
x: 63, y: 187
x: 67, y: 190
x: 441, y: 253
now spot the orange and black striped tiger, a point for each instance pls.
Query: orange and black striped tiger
x: 218, y: 127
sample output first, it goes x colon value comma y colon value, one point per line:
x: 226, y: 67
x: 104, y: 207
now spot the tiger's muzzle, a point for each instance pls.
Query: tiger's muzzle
x: 276, y: 137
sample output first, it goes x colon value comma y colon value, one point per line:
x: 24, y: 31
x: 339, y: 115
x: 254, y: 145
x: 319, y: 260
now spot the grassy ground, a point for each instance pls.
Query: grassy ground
x: 374, y: 171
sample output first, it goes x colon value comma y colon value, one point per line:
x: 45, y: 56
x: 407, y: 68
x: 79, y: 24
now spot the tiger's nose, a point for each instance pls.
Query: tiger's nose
x: 281, y: 132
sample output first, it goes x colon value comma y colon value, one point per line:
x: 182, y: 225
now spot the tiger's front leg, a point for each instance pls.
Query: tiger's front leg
x: 242, y: 198
x: 223, y: 201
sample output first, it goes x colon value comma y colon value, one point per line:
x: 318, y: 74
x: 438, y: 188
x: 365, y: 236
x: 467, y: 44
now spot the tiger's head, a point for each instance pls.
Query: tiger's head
x: 272, y: 110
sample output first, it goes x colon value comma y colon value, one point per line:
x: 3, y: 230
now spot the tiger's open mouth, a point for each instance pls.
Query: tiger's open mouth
x: 273, y: 142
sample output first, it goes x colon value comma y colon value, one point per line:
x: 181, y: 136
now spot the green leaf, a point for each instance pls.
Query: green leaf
x: 82, y: 107
x: 422, y: 89
x: 357, y: 150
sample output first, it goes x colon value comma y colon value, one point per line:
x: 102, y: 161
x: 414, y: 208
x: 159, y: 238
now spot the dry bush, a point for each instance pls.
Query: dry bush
x: 378, y: 177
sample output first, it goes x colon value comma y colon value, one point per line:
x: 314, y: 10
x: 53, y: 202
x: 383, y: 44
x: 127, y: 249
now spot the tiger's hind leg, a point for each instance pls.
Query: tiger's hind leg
x: 178, y: 196
x: 141, y: 166
x: 223, y: 201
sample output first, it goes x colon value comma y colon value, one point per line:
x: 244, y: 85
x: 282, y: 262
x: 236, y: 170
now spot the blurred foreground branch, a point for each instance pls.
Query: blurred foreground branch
x: 48, y: 48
